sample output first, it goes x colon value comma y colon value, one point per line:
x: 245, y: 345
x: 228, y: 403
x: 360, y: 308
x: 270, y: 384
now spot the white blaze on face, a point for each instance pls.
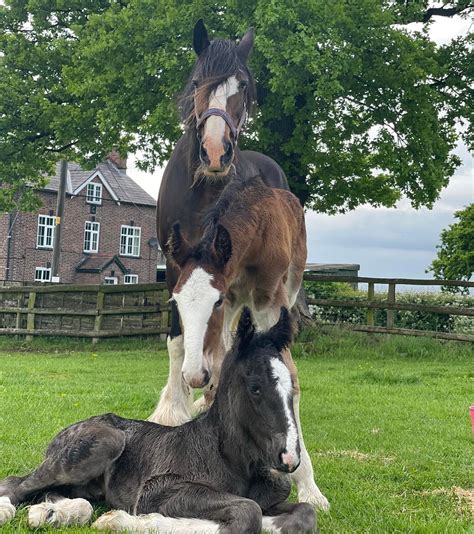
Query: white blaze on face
x: 214, y: 125
x: 195, y: 305
x: 284, y: 387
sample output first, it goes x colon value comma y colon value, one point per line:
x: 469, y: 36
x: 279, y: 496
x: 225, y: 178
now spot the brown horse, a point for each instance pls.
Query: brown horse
x: 252, y: 253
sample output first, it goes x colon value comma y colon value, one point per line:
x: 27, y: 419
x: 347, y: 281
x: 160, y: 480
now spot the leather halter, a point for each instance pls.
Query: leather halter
x: 234, y: 130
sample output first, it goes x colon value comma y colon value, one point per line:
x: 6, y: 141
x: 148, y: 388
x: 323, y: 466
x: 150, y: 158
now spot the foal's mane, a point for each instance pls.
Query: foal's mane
x: 217, y: 62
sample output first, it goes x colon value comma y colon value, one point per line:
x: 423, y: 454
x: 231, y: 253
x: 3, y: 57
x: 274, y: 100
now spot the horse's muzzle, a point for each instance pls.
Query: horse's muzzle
x: 197, y: 380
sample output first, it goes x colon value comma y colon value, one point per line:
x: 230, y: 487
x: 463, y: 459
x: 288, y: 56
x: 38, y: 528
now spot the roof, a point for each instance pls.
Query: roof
x: 96, y: 264
x: 123, y: 188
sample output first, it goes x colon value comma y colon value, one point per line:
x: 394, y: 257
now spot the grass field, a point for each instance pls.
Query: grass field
x: 386, y: 419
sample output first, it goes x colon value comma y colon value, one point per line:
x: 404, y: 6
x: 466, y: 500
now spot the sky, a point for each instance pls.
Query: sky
x: 386, y: 242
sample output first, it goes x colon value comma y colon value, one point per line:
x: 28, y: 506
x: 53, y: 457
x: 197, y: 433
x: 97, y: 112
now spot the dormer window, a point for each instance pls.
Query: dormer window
x: 94, y: 193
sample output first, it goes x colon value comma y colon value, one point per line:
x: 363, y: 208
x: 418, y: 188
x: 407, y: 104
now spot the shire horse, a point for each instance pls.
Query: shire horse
x: 214, y: 107
x: 225, y: 471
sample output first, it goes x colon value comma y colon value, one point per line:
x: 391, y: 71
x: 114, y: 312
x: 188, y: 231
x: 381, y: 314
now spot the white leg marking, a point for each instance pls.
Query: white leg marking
x: 285, y: 390
x: 195, y: 302
x: 174, y: 407
x: 268, y: 524
x: 7, y: 510
x: 60, y: 513
x: 303, y: 477
x: 118, y: 520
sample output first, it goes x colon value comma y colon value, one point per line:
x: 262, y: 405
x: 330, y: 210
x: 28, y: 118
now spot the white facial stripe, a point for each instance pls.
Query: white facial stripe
x: 285, y: 389
x: 195, y: 304
x: 215, y: 125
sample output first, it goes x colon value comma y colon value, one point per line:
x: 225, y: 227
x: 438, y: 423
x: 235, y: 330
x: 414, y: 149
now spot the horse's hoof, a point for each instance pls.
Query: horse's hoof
x: 60, y: 513
x: 115, y: 520
x: 315, y: 497
x: 7, y: 510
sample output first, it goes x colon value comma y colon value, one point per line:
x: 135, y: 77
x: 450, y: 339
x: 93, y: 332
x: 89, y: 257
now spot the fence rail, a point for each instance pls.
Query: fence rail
x: 93, y: 311
x: 391, y: 305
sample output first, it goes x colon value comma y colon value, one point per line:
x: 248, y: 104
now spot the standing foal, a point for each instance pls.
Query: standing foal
x: 217, y: 473
x: 252, y: 253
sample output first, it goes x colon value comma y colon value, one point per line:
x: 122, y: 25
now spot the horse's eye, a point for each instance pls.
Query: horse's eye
x: 195, y: 84
x: 219, y: 303
x: 255, y: 390
x: 243, y: 84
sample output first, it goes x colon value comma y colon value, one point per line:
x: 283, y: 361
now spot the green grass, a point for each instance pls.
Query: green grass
x: 386, y: 419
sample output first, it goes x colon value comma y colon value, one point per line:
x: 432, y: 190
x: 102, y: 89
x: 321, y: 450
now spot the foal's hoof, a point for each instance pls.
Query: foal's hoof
x: 7, y: 510
x: 115, y: 520
x: 60, y: 513
x: 313, y: 496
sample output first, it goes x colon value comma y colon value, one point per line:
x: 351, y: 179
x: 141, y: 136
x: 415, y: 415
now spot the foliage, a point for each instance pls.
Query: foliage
x: 386, y: 419
x: 356, y: 107
x: 418, y: 320
x: 455, y: 259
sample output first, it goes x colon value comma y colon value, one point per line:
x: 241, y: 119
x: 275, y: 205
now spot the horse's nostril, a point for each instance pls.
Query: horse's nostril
x: 203, y: 155
x: 206, y: 377
x: 228, y: 154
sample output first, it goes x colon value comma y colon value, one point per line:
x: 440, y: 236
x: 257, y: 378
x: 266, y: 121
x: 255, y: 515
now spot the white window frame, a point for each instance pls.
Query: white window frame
x: 45, y: 238
x: 93, y: 229
x: 44, y: 271
x: 130, y: 279
x: 94, y: 193
x: 111, y: 280
x: 130, y: 240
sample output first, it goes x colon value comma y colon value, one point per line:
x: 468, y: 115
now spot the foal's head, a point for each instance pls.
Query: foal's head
x: 200, y: 294
x: 217, y: 98
x: 256, y: 389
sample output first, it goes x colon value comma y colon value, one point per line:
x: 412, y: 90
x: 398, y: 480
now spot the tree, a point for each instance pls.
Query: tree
x: 455, y: 259
x: 354, y: 106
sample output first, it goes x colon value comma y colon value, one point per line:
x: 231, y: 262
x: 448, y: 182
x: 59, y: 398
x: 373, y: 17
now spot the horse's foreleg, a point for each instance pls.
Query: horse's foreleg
x: 303, y: 477
x: 59, y: 511
x: 176, y: 401
x: 289, y: 517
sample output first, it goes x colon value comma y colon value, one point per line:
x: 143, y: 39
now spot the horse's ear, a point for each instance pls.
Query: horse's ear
x: 281, y: 334
x: 200, y: 38
x: 177, y: 246
x: 246, y: 44
x: 222, y: 246
x: 245, y: 329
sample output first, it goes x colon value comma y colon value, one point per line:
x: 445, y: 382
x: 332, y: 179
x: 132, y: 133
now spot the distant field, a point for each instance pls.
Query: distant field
x: 386, y: 420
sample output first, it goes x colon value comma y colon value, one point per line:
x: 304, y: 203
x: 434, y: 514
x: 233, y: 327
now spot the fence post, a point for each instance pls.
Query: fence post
x: 30, y: 318
x: 391, y: 300
x: 370, y: 311
x: 99, y: 316
x: 164, y: 301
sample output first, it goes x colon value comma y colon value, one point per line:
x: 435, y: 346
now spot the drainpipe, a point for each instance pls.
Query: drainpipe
x: 11, y: 222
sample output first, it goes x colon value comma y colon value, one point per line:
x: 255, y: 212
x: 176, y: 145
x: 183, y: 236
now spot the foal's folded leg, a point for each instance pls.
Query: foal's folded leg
x: 7, y: 510
x: 59, y: 511
x: 289, y: 518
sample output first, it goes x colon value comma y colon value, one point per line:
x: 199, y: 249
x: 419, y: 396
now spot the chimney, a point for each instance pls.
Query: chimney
x: 117, y: 160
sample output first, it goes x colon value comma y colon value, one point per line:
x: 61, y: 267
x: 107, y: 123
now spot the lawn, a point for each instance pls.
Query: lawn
x: 386, y: 419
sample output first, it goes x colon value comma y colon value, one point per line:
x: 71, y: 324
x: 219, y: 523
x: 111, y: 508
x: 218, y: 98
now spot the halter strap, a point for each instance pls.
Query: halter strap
x: 234, y: 130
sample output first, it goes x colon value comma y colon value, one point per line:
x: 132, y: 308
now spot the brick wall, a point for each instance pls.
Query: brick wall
x: 26, y: 257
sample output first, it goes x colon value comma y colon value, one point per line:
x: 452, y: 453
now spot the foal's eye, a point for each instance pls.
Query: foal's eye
x: 195, y: 84
x: 243, y: 84
x: 219, y: 303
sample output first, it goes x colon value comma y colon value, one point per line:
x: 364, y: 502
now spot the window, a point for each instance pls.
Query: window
x: 42, y: 274
x: 110, y: 280
x: 45, y: 235
x: 130, y: 240
x: 130, y: 279
x: 94, y: 193
x: 91, y: 236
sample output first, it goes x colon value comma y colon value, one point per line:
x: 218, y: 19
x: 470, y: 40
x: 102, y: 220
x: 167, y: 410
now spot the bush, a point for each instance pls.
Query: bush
x: 419, y: 320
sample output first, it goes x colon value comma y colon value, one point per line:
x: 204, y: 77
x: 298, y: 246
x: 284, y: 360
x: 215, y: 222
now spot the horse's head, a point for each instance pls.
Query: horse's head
x: 259, y: 388
x: 218, y: 97
x: 200, y: 295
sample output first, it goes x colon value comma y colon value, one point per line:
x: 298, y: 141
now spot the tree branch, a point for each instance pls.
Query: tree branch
x: 445, y: 11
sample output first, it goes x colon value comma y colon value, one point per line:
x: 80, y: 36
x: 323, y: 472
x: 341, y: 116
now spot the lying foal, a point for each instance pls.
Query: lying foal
x: 218, y: 473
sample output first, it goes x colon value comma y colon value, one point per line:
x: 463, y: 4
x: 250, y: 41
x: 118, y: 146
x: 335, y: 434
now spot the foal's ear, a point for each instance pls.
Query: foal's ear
x: 281, y: 334
x: 222, y: 246
x: 246, y: 44
x: 245, y: 329
x: 200, y: 38
x: 177, y: 246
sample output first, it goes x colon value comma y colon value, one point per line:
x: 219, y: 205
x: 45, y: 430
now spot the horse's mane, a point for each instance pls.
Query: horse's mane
x: 217, y: 62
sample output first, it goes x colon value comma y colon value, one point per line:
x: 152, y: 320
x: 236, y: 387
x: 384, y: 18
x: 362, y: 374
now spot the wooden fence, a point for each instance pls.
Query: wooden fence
x: 85, y: 310
x: 391, y: 305
x: 143, y: 309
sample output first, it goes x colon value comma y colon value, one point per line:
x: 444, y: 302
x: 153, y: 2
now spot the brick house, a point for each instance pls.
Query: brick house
x: 108, y: 231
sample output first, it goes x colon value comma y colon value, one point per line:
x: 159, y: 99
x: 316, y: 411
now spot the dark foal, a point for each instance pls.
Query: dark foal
x: 224, y: 472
